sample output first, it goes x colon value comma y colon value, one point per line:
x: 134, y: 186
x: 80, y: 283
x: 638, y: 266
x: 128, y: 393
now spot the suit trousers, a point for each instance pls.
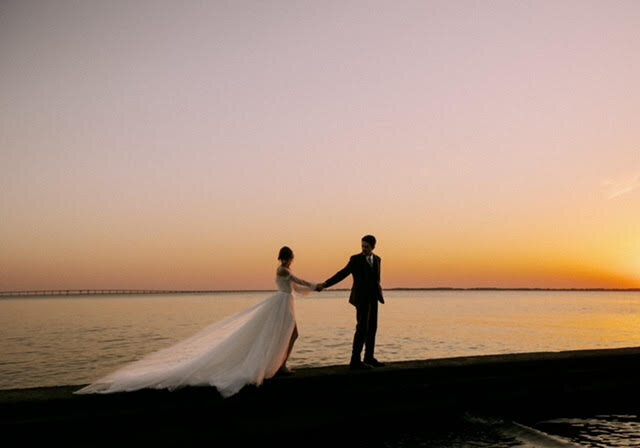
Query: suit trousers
x: 366, y: 327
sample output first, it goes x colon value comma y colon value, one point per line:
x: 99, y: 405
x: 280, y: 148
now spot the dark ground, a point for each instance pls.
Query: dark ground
x: 332, y: 405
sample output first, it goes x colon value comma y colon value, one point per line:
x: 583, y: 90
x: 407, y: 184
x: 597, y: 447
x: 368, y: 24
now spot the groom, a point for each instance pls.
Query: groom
x: 366, y: 292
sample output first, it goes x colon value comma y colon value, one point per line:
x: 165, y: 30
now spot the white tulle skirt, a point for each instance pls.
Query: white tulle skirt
x: 242, y: 349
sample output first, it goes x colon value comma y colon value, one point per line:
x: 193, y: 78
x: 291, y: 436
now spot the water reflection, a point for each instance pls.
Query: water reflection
x: 601, y: 431
x: 60, y: 340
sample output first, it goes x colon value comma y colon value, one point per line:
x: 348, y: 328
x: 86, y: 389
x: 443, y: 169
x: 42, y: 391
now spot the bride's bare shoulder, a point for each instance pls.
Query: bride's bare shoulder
x: 282, y: 271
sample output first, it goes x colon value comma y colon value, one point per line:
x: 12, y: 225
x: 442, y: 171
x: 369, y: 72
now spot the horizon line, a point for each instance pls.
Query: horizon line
x: 77, y: 292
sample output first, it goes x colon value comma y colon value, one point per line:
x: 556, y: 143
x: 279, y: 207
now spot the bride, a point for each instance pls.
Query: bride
x: 245, y: 348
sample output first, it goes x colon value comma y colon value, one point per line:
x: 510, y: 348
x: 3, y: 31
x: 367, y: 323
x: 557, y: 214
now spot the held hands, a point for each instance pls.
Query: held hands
x: 320, y: 287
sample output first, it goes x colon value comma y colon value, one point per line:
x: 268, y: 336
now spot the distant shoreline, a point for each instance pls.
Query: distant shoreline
x: 82, y: 292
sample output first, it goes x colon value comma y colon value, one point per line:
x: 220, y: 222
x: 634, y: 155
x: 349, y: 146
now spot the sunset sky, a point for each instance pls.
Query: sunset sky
x: 180, y: 144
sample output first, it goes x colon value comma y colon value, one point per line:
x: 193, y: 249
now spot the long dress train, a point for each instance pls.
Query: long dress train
x: 242, y: 349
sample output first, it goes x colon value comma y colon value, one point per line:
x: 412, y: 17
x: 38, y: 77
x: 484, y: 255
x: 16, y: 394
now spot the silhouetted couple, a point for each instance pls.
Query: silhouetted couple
x: 255, y: 344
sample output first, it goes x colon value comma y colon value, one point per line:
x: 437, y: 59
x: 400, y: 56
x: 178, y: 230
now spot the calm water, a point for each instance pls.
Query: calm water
x: 48, y: 341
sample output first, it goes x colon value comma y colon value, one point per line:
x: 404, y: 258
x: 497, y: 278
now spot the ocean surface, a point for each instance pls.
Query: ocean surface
x: 72, y: 340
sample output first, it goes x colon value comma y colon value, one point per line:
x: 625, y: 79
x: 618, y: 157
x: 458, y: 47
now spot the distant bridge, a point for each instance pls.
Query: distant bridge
x: 82, y: 292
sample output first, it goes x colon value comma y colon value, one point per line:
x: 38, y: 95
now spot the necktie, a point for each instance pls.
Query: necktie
x: 370, y: 260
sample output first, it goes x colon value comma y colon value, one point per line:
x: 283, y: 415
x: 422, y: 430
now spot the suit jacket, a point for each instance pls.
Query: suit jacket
x: 366, y: 279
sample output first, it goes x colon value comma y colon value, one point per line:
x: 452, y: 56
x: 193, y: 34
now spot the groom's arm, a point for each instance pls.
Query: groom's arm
x: 340, y: 275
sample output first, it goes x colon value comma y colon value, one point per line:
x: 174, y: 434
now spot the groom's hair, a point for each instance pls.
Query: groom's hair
x: 370, y: 239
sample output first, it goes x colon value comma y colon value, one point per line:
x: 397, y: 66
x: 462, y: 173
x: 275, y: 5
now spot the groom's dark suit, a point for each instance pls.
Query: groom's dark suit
x: 366, y: 292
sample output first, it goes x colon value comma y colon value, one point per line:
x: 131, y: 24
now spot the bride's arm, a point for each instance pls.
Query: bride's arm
x: 299, y: 281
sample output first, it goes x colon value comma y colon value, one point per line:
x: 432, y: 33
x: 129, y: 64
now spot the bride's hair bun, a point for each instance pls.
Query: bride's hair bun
x: 285, y: 254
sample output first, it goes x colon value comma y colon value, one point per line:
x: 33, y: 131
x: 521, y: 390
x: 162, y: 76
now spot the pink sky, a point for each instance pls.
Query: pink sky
x: 153, y: 144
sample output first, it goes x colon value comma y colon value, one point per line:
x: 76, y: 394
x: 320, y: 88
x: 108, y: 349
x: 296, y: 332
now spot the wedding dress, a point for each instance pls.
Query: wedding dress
x: 242, y: 349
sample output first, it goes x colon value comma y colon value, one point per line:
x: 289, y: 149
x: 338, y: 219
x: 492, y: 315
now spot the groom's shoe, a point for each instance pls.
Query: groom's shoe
x: 359, y: 365
x: 373, y: 362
